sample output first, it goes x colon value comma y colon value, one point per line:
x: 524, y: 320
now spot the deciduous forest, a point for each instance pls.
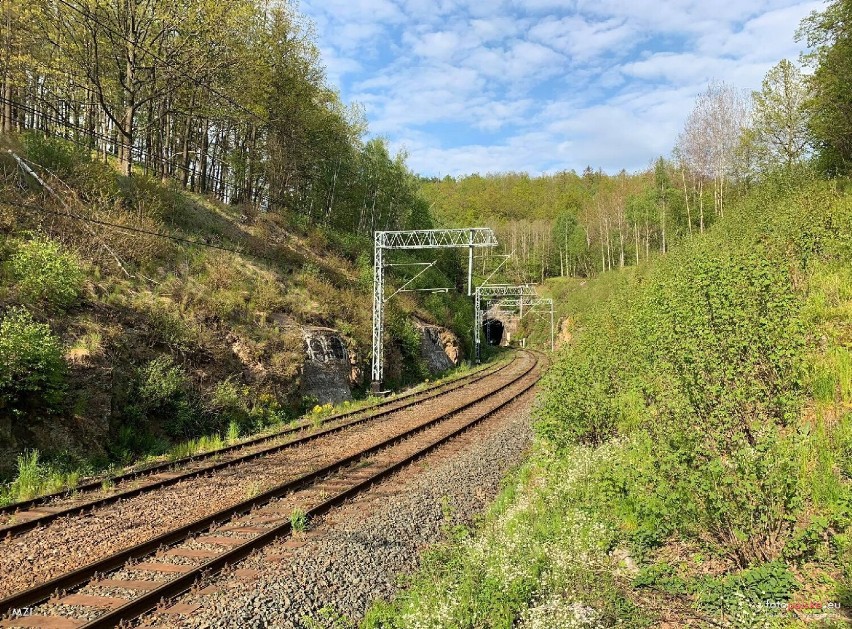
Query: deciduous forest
x: 183, y: 194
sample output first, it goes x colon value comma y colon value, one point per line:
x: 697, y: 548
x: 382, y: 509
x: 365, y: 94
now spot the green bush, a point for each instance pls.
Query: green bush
x: 704, y: 356
x: 595, y: 388
x: 31, y: 362
x: 723, y: 331
x: 771, y: 581
x: 163, y: 395
x: 55, y: 154
x: 44, y: 273
x: 230, y: 402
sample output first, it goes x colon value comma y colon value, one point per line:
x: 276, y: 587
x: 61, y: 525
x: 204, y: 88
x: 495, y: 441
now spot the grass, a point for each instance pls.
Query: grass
x: 35, y: 478
x: 192, y: 447
x: 298, y: 521
x: 539, y: 560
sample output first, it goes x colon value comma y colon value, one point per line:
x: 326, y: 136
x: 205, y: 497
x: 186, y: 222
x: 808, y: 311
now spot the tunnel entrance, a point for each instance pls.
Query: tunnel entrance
x: 493, y: 331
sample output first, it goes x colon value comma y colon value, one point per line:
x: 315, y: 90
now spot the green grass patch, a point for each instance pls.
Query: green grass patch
x: 540, y: 559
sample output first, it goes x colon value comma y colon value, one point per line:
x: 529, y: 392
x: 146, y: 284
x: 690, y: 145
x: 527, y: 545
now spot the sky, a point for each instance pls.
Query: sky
x: 541, y: 86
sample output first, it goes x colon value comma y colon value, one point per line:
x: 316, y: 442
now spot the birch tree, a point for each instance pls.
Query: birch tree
x: 780, y: 117
x: 707, y: 146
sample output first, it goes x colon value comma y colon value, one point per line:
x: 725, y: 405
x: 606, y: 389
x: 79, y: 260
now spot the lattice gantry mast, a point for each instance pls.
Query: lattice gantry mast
x: 488, y: 293
x: 533, y: 306
x: 471, y: 238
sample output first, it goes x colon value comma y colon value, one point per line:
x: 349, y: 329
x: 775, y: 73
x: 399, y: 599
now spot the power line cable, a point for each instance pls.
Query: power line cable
x: 138, y: 230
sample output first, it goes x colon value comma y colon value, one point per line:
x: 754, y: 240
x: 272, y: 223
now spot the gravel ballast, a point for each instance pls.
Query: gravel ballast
x: 357, y: 553
x: 69, y: 543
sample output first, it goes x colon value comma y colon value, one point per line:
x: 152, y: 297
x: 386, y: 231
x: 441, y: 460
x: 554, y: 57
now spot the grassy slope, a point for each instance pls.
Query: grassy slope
x: 581, y: 535
x: 164, y: 341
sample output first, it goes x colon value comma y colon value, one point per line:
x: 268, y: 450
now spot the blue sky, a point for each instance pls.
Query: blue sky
x: 543, y: 85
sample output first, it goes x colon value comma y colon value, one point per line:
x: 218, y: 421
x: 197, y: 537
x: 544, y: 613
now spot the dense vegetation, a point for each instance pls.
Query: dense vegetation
x: 181, y: 195
x: 694, y: 454
x: 227, y: 99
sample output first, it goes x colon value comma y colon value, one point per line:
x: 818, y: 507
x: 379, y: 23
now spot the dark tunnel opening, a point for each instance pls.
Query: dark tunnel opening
x: 493, y: 331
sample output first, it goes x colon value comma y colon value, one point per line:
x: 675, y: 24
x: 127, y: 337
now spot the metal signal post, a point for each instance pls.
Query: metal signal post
x: 416, y: 239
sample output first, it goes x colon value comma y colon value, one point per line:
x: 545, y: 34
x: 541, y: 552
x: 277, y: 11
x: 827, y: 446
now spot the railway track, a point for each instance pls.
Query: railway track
x: 23, y: 516
x: 118, y: 588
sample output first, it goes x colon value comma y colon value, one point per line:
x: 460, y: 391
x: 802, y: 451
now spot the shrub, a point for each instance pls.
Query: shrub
x: 230, y: 402
x: 595, y: 388
x: 31, y: 363
x: 46, y: 274
x: 163, y: 393
x: 408, y: 340
x: 54, y: 153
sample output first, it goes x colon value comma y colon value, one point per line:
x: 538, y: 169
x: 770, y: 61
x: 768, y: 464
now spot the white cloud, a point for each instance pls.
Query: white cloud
x: 544, y: 84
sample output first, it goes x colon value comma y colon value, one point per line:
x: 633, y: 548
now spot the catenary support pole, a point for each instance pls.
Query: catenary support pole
x: 385, y: 241
x: 378, y: 312
x: 470, y: 268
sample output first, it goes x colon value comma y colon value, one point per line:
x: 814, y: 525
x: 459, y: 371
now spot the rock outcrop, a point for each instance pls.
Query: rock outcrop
x: 329, y: 369
x: 440, y: 348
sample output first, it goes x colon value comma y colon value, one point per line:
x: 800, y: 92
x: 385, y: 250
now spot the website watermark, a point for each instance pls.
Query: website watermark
x: 801, y: 608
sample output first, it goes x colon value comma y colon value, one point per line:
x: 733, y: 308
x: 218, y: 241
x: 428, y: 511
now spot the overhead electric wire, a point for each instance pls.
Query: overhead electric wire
x: 138, y: 230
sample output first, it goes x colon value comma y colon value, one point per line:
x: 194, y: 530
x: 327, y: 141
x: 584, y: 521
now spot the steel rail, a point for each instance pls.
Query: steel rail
x: 149, y: 600
x: 78, y: 577
x: 358, y: 418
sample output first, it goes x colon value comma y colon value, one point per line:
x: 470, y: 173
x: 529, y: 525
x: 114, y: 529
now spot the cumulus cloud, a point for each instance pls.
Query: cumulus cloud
x: 544, y: 85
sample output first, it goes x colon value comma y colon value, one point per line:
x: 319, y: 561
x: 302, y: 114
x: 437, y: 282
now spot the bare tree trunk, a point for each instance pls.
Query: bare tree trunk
x: 187, y: 131
x: 205, y: 146
x: 126, y: 130
x: 7, y: 72
x: 686, y: 200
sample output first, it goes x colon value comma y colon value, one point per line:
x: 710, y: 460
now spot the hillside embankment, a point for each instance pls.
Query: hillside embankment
x: 693, y: 460
x: 137, y: 314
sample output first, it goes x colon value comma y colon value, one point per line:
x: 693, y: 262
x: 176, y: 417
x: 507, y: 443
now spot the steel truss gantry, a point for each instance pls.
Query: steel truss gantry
x: 525, y: 305
x: 472, y: 238
x: 488, y: 293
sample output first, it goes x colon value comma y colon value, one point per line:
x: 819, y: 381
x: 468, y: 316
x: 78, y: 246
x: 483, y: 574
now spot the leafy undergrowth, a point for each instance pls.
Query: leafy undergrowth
x: 540, y: 559
x: 117, y: 345
x: 34, y: 477
x: 694, y: 454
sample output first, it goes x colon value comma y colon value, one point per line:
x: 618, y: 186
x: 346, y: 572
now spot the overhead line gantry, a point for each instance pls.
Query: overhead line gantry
x: 472, y: 238
x: 489, y: 293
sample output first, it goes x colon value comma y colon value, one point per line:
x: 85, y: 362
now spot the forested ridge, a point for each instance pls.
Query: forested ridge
x: 229, y: 99
x: 182, y: 195
x: 693, y: 465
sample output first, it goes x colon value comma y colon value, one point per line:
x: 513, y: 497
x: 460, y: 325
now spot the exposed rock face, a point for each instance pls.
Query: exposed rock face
x: 329, y: 369
x: 439, y: 347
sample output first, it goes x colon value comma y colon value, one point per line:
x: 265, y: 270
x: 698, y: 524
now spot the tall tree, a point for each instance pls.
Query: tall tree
x: 708, y: 145
x: 828, y: 34
x: 780, y: 117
